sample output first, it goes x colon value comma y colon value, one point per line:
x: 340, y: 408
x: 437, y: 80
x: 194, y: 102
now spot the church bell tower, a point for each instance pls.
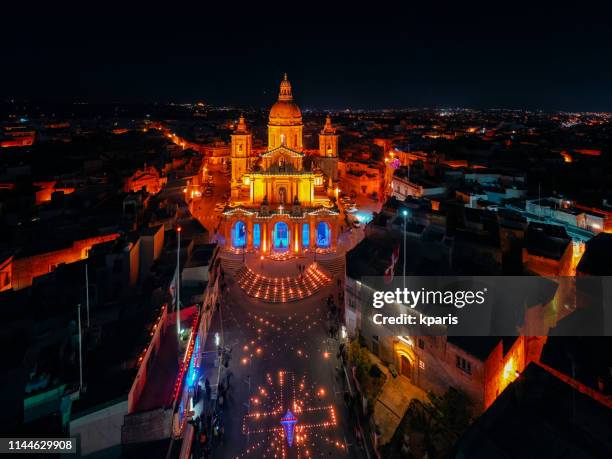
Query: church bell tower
x: 328, y: 150
x: 242, y: 141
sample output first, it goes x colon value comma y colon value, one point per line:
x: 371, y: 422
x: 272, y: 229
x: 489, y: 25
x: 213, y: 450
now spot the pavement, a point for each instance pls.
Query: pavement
x: 282, y: 358
x: 392, y: 403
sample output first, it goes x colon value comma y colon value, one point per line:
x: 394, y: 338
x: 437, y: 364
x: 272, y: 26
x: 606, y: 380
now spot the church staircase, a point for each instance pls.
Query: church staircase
x: 231, y: 263
x: 335, y: 265
x: 283, y: 289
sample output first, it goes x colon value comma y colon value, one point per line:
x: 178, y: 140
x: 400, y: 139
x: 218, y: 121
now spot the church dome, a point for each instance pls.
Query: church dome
x: 285, y: 112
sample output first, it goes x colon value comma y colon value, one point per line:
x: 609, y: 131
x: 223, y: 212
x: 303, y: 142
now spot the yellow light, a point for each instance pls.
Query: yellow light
x: 508, y: 369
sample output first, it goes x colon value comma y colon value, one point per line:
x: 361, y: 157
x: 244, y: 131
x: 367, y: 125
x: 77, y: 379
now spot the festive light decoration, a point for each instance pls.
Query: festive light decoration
x: 315, y: 211
x: 282, y: 289
x: 186, y: 359
x: 151, y: 334
x: 291, y: 422
x: 288, y: 421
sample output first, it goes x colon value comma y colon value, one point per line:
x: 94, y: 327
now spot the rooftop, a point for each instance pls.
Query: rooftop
x: 538, y: 415
x: 597, y: 256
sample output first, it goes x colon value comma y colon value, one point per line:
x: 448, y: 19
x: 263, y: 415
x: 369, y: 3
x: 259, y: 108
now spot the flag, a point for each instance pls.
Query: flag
x: 173, y: 285
x: 391, y: 268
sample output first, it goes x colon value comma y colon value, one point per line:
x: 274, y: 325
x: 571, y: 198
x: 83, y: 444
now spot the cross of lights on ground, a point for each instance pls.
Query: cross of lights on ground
x: 293, y: 421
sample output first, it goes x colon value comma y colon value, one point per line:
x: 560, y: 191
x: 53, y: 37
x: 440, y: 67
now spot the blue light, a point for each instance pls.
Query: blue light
x: 193, y: 370
x: 239, y: 235
x: 281, y: 236
x: 323, y: 235
x: 363, y: 217
x: 306, y: 235
x: 288, y: 421
x: 256, y: 235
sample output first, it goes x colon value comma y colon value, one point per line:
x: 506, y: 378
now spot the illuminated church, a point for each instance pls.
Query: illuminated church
x: 283, y: 200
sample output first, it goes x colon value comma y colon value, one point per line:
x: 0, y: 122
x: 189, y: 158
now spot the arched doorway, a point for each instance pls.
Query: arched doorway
x: 305, y: 235
x: 239, y: 235
x: 405, y: 367
x: 256, y: 235
x: 323, y: 235
x: 281, y: 237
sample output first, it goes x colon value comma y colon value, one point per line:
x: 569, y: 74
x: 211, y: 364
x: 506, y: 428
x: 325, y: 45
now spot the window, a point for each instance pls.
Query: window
x: 421, y: 364
x: 256, y: 235
x: 421, y: 343
x: 323, y: 235
x: 239, y: 235
x: 305, y: 235
x: 464, y: 365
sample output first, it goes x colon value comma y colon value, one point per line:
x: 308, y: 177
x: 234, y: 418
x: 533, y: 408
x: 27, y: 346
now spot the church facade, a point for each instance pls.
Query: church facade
x: 283, y: 201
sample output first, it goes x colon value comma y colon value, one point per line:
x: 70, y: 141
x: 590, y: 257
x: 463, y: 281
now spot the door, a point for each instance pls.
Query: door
x: 405, y: 366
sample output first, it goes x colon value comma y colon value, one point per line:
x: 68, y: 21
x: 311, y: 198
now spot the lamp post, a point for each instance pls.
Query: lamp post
x: 80, y: 349
x: 246, y: 239
x: 178, y: 286
x: 405, y: 214
x: 87, y: 292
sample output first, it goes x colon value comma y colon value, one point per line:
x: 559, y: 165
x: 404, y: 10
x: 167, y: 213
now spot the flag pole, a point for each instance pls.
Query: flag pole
x: 80, y: 350
x: 405, y: 213
x: 178, y: 286
x: 87, y: 292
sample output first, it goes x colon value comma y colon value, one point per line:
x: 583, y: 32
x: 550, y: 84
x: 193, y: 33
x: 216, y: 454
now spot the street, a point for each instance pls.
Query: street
x: 282, y: 359
x: 203, y: 208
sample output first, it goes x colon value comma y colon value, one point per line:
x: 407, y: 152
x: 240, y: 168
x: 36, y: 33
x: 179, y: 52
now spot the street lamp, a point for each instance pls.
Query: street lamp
x: 178, y: 287
x: 405, y: 214
x: 246, y: 240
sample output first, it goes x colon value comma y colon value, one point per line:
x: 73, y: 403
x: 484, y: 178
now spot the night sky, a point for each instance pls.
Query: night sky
x: 485, y: 55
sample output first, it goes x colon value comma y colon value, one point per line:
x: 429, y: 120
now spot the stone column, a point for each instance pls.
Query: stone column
x: 263, y: 231
x: 313, y: 236
x: 295, y: 238
x: 334, y: 233
x: 249, y: 229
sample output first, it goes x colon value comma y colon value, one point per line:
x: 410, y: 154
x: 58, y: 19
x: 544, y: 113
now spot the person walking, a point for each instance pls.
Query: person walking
x: 207, y: 388
x: 228, y: 376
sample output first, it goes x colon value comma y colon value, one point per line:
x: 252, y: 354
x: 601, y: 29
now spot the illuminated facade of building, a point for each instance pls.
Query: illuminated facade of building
x: 282, y: 200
